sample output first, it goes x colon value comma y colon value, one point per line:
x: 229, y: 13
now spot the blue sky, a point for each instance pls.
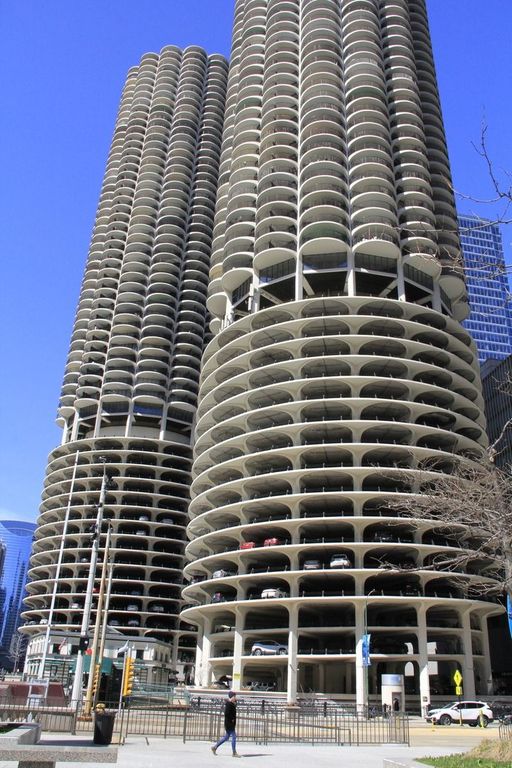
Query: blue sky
x: 62, y: 67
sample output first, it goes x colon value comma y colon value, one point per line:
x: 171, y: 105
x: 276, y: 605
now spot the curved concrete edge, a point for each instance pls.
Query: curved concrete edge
x: 402, y: 762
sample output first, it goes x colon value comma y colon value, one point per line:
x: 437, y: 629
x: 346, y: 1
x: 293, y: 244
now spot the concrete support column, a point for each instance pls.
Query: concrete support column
x: 400, y: 282
x: 360, y: 670
x: 238, y: 649
x: 299, y: 280
x: 293, y: 640
x: 436, y: 297
x: 351, y: 274
x: 205, y: 671
x: 486, y: 661
x: 255, y: 293
x: 423, y: 659
x: 468, y: 671
x: 129, y: 420
x: 321, y: 678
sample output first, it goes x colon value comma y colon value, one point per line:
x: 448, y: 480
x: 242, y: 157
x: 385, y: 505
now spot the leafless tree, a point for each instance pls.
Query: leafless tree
x: 18, y: 649
x: 472, y: 508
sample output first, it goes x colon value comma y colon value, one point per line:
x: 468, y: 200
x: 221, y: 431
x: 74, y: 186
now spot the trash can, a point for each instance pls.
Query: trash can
x: 103, y: 727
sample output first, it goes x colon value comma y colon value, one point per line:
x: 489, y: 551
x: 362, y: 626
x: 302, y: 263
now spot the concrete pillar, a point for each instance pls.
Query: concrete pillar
x: 486, y: 661
x: 360, y: 670
x: 238, y: 650
x: 351, y: 274
x: 293, y: 640
x: 436, y: 297
x: 468, y: 671
x: 298, y: 279
x: 255, y: 293
x: 423, y: 658
x: 321, y: 678
x: 205, y: 669
x: 400, y: 282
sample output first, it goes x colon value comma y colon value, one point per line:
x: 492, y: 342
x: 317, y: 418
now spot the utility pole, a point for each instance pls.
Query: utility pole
x: 104, y: 627
x: 76, y: 694
x: 97, y: 626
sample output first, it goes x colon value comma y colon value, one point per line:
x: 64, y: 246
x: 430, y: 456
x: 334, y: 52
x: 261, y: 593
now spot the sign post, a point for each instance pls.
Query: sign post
x: 457, y: 679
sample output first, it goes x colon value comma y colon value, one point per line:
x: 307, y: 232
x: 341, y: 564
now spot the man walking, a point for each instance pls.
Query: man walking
x: 229, y: 725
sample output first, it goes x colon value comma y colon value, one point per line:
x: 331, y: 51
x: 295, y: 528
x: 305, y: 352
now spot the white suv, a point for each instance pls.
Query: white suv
x: 469, y: 710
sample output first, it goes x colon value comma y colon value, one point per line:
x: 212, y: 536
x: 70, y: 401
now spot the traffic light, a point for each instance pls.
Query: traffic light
x: 96, y: 678
x: 129, y: 672
x: 83, y: 643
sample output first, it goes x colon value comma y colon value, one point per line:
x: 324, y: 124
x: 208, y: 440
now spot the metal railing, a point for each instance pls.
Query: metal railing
x: 260, y: 721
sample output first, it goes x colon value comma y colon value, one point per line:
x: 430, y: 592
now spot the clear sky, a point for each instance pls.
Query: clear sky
x: 62, y: 67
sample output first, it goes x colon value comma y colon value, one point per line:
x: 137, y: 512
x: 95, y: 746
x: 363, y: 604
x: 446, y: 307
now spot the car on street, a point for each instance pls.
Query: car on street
x: 273, y: 592
x: 470, y: 712
x: 268, y: 648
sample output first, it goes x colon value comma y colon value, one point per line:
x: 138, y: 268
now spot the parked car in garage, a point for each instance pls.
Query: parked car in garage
x: 274, y: 592
x: 340, y: 561
x: 312, y: 565
x: 268, y: 648
x: 272, y: 541
x: 222, y: 573
x: 248, y: 545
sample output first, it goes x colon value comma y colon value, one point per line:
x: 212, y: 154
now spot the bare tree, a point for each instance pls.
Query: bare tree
x: 471, y: 504
x: 17, y: 649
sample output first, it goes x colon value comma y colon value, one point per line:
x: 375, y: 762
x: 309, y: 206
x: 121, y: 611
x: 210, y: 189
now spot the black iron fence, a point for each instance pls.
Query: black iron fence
x: 259, y: 722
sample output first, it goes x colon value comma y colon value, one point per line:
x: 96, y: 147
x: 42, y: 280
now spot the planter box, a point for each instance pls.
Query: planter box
x: 21, y: 733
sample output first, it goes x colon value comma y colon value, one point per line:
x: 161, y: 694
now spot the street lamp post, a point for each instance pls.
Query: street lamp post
x: 366, y: 661
x: 97, y: 625
x: 76, y: 693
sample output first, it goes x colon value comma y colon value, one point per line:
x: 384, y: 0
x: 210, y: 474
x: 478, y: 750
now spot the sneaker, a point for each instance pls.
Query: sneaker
x: 214, y: 750
x: 235, y: 754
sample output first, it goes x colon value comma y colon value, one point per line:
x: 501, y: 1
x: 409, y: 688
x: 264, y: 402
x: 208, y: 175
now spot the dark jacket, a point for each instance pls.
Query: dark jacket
x: 230, y: 715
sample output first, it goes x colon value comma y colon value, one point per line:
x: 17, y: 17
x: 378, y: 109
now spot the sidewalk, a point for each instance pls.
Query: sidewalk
x: 154, y: 752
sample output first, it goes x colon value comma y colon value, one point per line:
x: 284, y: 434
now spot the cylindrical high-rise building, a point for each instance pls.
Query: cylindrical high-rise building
x: 339, y: 369
x: 132, y: 375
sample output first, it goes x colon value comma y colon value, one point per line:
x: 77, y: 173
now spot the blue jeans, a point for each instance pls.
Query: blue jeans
x: 227, y: 736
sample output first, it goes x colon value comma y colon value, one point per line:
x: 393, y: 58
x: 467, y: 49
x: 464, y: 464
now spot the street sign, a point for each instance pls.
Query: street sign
x: 457, y: 677
x: 458, y: 690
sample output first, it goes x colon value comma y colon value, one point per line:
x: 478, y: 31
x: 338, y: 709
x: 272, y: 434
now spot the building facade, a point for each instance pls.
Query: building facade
x: 497, y: 391
x: 131, y: 379
x: 339, y: 373
x: 490, y: 317
x: 15, y: 546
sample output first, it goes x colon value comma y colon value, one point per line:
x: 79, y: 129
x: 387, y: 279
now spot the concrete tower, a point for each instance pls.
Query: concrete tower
x: 132, y: 375
x: 339, y: 368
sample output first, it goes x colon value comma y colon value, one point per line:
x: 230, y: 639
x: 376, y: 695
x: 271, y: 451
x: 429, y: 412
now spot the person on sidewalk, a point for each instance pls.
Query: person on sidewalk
x: 229, y: 725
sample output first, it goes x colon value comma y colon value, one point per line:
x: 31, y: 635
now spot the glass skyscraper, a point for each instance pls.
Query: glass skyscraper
x: 16, y: 540
x: 490, y: 320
